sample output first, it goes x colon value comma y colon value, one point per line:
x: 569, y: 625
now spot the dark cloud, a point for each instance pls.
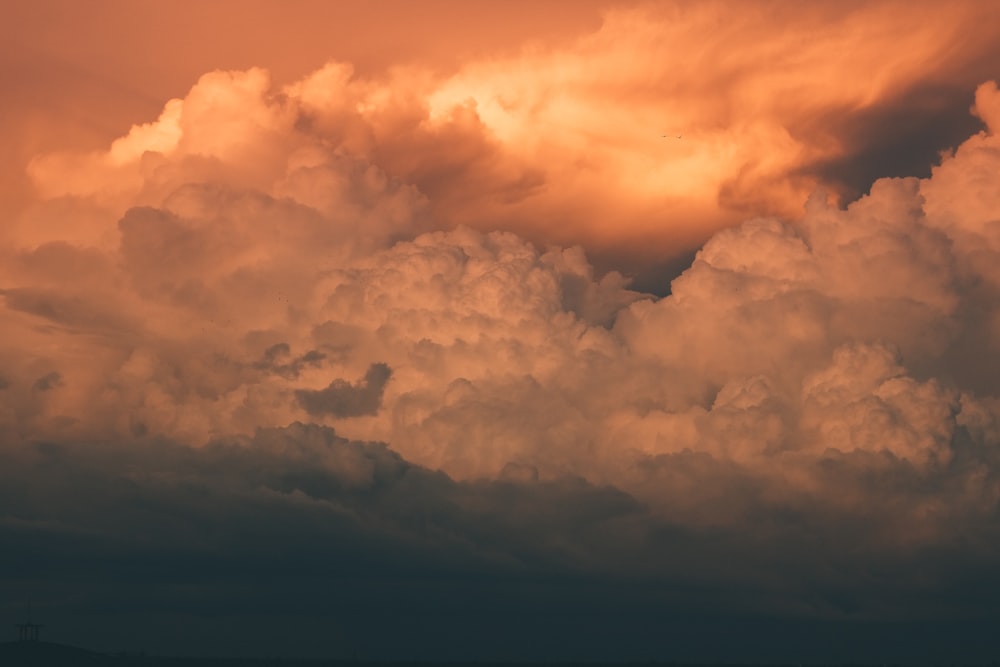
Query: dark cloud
x: 277, y: 359
x: 48, y: 381
x: 296, y: 524
x: 899, y: 137
x: 341, y: 399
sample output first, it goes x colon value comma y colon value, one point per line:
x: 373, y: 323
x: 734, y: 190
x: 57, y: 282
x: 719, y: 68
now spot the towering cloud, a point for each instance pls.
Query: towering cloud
x: 250, y: 270
x: 808, y: 423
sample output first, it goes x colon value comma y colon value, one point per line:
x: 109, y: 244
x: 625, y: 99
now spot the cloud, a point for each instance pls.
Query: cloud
x: 564, y: 144
x: 274, y: 361
x: 47, y: 382
x: 198, y: 305
x: 343, y: 399
x: 225, y: 308
x: 297, y: 521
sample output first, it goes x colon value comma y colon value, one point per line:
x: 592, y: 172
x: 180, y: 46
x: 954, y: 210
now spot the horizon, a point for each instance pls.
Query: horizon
x: 35, y: 647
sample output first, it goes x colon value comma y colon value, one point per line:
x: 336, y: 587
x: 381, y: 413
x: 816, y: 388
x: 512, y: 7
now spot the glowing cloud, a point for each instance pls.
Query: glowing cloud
x: 643, y: 138
x: 262, y: 269
x: 222, y: 287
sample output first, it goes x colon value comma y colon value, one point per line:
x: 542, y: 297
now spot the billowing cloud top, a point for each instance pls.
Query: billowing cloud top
x: 292, y: 305
x: 641, y: 138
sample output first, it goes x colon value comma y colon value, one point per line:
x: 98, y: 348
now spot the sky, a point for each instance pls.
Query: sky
x: 502, y: 331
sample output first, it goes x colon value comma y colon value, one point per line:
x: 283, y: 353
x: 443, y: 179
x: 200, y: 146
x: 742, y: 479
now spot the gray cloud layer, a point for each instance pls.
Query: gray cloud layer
x: 298, y: 521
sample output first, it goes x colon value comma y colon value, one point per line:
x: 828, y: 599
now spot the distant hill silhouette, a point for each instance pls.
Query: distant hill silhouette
x: 47, y: 654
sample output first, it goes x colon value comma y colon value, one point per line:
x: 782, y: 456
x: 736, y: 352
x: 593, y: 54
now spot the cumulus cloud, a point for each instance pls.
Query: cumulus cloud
x: 821, y: 385
x: 234, y: 300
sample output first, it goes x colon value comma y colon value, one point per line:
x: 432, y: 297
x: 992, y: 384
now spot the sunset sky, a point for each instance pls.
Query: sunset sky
x: 502, y: 330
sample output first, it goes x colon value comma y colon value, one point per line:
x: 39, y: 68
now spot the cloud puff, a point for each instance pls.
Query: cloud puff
x: 343, y: 399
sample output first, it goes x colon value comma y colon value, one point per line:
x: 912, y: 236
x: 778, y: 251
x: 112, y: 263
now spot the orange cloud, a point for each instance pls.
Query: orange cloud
x: 758, y: 93
x: 499, y: 353
x: 366, y: 316
x: 576, y: 143
x: 245, y: 259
